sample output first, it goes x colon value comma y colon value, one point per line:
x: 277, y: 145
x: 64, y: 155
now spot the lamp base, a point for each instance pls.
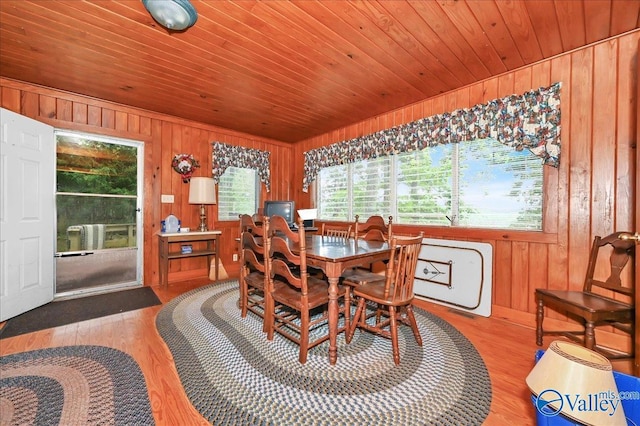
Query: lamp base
x: 203, y: 219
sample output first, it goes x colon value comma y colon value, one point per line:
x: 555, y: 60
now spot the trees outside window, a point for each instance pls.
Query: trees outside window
x: 481, y: 184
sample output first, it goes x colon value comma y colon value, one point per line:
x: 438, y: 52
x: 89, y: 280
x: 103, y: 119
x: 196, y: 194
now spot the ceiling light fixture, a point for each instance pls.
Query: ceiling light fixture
x: 175, y: 15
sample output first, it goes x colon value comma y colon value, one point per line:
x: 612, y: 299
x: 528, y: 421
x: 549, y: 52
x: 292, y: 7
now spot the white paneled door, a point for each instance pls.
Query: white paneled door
x: 27, y: 212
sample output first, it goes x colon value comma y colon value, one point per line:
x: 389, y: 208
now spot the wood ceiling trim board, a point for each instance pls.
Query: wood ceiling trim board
x: 625, y: 16
x: 359, y: 54
x: 322, y: 52
x: 597, y: 20
x: 259, y: 81
x: 326, y: 54
x: 438, y: 51
x: 133, y: 78
x: 279, y: 55
x: 237, y: 34
x: 410, y: 56
x: 434, y: 15
x: 542, y: 14
x: 521, y: 29
x: 497, y: 32
x: 130, y: 74
x: 571, y: 23
x: 445, y: 61
x: 256, y: 78
x: 467, y: 24
x: 424, y: 46
x: 176, y: 106
x: 384, y: 83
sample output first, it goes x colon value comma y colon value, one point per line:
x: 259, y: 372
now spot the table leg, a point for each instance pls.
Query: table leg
x: 333, y: 317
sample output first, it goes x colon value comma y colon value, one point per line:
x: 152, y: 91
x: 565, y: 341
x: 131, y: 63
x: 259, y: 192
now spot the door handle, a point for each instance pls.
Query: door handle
x: 626, y: 236
x: 73, y: 253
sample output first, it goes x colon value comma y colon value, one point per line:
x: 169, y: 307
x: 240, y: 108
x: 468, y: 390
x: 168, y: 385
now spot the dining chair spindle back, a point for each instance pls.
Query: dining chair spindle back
x: 374, y: 229
x: 336, y: 231
x: 392, y: 296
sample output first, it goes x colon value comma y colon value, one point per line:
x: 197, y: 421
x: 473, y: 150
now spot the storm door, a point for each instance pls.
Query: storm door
x: 98, y: 210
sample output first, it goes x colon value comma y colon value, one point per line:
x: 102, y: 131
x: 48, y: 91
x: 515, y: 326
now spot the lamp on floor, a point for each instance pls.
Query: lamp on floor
x: 577, y: 382
x: 202, y: 191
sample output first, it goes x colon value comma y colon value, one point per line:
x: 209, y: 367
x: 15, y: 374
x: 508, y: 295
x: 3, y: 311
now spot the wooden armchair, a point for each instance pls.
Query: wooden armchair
x: 393, y: 295
x: 296, y: 300
x: 253, y: 266
x: 592, y: 306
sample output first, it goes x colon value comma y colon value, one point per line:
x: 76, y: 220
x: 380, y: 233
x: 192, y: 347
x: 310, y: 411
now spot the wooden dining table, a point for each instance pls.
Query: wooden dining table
x: 334, y: 255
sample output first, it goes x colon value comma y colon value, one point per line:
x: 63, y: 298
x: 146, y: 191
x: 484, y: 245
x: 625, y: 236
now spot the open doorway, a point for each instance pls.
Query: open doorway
x: 99, y: 183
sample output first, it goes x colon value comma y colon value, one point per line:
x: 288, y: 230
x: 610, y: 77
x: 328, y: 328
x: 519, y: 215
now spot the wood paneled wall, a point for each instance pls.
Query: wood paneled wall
x: 163, y: 137
x: 592, y: 193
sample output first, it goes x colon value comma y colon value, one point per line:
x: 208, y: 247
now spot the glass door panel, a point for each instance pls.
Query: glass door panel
x: 98, y: 205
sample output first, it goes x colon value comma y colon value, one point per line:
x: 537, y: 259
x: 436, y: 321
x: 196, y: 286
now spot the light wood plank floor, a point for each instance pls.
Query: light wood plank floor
x: 507, y: 349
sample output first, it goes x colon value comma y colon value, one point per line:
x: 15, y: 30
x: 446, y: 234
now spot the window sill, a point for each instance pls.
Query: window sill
x: 480, y: 233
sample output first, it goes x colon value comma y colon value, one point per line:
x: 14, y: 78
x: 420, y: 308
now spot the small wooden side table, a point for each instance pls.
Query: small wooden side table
x: 165, y: 252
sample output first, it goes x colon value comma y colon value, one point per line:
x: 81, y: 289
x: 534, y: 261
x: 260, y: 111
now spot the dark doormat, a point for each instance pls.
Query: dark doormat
x: 64, y: 312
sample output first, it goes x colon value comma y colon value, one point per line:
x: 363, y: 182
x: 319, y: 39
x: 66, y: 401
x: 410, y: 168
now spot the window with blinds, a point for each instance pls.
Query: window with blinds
x: 371, y: 187
x: 481, y: 184
x: 334, y: 193
x: 238, y: 193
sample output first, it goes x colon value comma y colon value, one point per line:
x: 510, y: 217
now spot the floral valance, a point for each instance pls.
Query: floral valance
x: 531, y: 120
x: 225, y: 156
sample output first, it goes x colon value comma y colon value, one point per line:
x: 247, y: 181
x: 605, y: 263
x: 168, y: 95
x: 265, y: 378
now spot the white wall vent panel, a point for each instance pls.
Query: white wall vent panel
x: 456, y: 274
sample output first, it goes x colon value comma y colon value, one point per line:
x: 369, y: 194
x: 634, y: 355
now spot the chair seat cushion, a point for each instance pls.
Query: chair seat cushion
x: 589, y: 302
x: 360, y: 277
x: 317, y: 294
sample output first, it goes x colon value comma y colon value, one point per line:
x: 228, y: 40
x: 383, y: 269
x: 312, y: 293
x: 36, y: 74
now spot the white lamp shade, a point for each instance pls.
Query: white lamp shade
x: 202, y: 190
x: 308, y: 214
x: 577, y: 382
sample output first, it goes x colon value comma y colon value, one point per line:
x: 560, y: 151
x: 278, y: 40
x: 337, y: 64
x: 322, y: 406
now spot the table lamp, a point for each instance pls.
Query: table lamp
x: 202, y: 191
x: 577, y: 382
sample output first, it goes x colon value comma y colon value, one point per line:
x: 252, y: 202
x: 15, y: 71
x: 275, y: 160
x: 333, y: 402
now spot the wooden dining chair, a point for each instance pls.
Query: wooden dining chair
x: 297, y: 301
x: 392, y: 296
x: 335, y: 230
x: 253, y: 266
x: 602, y: 301
x: 374, y: 229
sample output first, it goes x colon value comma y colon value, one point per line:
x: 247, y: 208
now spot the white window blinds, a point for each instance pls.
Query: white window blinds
x: 237, y: 193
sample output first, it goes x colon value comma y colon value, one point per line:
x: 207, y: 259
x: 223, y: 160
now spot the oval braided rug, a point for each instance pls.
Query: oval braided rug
x: 73, y: 385
x: 234, y: 376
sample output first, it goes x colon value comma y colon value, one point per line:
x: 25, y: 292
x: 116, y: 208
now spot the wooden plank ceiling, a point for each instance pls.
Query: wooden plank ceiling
x: 290, y: 70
